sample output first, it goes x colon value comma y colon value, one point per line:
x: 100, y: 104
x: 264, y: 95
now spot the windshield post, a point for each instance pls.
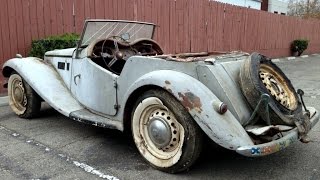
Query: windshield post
x: 79, y: 48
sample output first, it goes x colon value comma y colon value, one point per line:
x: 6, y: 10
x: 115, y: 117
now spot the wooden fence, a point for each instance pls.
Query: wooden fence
x: 183, y: 25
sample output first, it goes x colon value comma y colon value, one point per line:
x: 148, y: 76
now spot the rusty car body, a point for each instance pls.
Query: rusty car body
x: 118, y: 77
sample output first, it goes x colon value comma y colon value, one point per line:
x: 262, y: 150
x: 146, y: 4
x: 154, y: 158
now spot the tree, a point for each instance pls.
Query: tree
x: 304, y: 8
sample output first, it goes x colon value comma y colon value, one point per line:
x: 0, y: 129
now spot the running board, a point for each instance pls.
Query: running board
x: 87, y: 117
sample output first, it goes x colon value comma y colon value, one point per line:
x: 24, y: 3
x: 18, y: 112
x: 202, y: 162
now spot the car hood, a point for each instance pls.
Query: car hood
x: 61, y: 52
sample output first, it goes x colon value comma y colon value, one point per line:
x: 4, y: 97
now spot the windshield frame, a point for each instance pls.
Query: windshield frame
x: 107, y: 20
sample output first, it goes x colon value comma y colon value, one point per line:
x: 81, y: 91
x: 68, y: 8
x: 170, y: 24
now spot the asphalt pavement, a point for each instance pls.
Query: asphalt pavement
x: 55, y: 147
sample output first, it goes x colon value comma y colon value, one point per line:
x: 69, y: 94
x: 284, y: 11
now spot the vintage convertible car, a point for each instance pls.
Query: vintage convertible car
x: 118, y: 77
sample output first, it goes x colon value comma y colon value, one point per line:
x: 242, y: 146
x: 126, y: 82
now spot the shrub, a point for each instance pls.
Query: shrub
x: 40, y: 47
x: 299, y: 45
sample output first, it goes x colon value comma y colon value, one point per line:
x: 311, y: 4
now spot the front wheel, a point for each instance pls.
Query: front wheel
x: 23, y: 100
x: 165, y: 133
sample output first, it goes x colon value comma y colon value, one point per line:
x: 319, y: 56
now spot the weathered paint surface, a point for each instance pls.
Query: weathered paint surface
x: 94, y: 86
x: 222, y: 79
x: 167, y: 86
x: 277, y: 145
x: 62, y: 52
x: 273, y: 148
x: 190, y: 101
x: 197, y: 99
x: 45, y: 80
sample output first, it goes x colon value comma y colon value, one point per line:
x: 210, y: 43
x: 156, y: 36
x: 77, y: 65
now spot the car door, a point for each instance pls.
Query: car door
x: 93, y: 86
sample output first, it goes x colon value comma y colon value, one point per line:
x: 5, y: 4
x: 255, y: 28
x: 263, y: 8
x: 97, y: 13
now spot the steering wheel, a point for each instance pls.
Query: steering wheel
x: 116, y: 55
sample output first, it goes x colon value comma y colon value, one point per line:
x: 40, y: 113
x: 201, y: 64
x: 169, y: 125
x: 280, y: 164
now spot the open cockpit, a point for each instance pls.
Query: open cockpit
x: 112, y: 53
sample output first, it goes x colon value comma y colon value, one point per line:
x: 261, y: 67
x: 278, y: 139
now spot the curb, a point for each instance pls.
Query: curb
x: 293, y: 58
x: 4, y: 101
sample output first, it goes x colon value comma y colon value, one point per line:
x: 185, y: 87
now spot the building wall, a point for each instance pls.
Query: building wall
x: 254, y: 4
x: 264, y: 5
x: 279, y: 6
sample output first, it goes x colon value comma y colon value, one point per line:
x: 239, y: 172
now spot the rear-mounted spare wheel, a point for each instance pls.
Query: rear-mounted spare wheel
x: 258, y: 75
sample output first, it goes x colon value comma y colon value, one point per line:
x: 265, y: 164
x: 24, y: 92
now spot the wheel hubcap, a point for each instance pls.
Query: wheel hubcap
x: 18, y: 92
x: 159, y: 132
x: 163, y: 130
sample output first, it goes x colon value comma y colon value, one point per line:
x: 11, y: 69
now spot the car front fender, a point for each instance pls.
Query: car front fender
x: 224, y: 129
x: 45, y: 80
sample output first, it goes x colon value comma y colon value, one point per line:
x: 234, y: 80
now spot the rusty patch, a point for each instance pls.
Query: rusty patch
x: 167, y: 86
x: 191, y: 101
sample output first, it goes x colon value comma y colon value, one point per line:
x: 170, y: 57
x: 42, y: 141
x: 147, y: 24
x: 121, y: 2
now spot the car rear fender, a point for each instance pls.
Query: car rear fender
x: 45, y: 80
x: 199, y: 101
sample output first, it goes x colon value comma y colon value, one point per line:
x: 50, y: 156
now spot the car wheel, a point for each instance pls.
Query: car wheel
x: 165, y: 133
x: 23, y: 100
x: 258, y: 75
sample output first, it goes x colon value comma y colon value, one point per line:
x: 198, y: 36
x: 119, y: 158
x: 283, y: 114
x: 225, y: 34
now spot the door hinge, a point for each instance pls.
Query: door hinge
x: 115, y: 85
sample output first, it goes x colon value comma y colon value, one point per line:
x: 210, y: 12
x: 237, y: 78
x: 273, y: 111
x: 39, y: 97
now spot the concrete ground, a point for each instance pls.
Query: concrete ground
x: 3, y: 101
x: 55, y: 147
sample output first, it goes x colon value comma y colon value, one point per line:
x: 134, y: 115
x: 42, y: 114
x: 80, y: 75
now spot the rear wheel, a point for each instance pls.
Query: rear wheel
x: 23, y: 100
x: 165, y: 133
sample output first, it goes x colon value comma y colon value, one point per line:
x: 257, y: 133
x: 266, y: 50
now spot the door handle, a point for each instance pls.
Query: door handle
x: 75, y: 78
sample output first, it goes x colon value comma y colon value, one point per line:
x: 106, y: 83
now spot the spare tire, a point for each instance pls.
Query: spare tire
x: 258, y: 75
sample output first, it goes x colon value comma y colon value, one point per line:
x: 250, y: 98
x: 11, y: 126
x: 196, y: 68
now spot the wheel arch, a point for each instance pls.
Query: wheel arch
x: 197, y: 99
x: 132, y: 99
x: 7, y: 71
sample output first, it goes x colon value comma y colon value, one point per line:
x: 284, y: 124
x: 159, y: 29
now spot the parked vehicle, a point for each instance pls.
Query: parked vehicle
x: 118, y: 77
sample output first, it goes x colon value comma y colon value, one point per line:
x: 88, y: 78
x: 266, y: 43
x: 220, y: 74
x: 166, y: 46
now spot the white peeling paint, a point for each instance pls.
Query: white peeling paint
x: 92, y: 170
x: 47, y: 149
x: 15, y: 134
x: 62, y: 155
x: 291, y: 58
x: 29, y: 141
x: 275, y: 60
x: 304, y: 56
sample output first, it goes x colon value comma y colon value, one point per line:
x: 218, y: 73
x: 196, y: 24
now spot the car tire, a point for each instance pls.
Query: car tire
x: 258, y: 75
x: 23, y: 100
x: 164, y: 132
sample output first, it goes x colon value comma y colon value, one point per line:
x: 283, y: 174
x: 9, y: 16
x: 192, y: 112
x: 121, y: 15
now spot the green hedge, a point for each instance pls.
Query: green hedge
x: 299, y: 45
x: 40, y: 47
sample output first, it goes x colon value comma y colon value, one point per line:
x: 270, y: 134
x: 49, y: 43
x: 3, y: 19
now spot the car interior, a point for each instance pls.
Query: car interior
x: 112, y: 53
